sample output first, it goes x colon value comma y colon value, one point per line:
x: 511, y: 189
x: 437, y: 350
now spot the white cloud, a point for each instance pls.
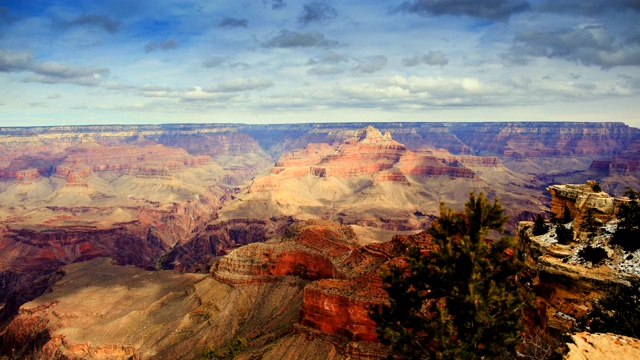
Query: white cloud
x: 243, y: 84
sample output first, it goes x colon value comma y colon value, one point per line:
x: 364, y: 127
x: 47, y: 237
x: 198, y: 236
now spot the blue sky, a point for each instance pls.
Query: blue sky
x: 284, y: 61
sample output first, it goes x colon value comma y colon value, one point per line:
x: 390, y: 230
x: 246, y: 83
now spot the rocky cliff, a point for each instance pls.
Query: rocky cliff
x: 73, y: 194
x: 314, y: 288
x: 372, y: 180
x: 181, y: 196
x: 567, y: 278
x: 344, y: 280
x: 100, y: 310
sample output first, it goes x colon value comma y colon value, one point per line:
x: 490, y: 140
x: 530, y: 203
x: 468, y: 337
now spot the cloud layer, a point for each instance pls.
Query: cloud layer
x: 319, y: 60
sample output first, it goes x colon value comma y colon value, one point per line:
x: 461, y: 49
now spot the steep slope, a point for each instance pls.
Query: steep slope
x: 368, y: 180
x: 68, y: 195
x: 313, y: 289
x: 100, y: 310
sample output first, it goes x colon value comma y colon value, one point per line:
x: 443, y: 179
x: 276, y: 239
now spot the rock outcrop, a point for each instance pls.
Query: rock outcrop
x: 314, y: 289
x: 578, y: 198
x: 344, y: 279
x: 100, y: 310
x: 181, y: 196
x: 368, y: 179
x: 588, y: 346
x: 567, y: 278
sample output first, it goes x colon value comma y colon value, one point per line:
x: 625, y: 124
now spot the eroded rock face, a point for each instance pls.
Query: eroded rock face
x: 100, y: 310
x: 568, y: 282
x: 371, y: 180
x: 578, y: 198
x: 312, y: 289
x: 195, y: 254
x: 544, y: 139
x: 366, y: 153
x: 73, y: 194
x: 344, y: 279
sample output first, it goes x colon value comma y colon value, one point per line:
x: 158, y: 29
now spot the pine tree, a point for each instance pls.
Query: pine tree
x: 539, y: 226
x: 589, y: 222
x: 617, y: 312
x: 462, y: 300
x: 627, y: 233
x: 566, y: 215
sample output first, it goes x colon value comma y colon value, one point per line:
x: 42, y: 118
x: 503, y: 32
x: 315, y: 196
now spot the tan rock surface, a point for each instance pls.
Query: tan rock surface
x: 99, y: 310
x: 368, y: 179
x: 603, y: 347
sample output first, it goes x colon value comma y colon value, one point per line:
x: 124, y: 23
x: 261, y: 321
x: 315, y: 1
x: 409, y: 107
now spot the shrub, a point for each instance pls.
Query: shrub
x: 564, y: 234
x: 627, y: 234
x: 235, y: 347
x: 539, y: 226
x: 617, y: 312
x: 589, y: 222
x: 593, y: 254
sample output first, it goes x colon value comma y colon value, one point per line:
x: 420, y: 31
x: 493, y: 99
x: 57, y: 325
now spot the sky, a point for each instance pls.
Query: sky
x: 73, y: 62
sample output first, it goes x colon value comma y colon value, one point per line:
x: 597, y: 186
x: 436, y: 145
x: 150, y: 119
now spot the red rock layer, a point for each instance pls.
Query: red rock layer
x: 149, y: 160
x: 346, y: 275
x: 366, y: 153
x: 342, y: 306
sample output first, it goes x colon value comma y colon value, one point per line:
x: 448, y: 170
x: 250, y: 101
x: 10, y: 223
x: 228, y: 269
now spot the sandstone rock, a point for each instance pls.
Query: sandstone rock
x: 99, y: 310
x: 578, y: 198
x: 567, y: 283
x: 588, y: 346
x: 344, y: 280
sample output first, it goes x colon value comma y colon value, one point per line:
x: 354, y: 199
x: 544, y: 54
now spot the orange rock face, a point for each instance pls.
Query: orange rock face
x: 342, y: 306
x: 345, y: 281
x: 367, y: 153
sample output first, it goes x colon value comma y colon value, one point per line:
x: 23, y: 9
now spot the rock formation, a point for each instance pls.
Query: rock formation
x: 100, y: 310
x: 564, y: 278
x: 69, y: 195
x: 587, y: 346
x: 314, y: 288
x: 344, y: 279
x: 578, y: 198
x: 371, y: 180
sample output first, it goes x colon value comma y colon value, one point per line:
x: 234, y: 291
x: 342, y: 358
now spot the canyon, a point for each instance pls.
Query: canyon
x: 220, y: 219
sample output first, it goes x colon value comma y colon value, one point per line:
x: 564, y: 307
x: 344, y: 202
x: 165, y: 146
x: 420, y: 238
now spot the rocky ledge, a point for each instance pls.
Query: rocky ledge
x: 568, y: 280
x: 344, y: 280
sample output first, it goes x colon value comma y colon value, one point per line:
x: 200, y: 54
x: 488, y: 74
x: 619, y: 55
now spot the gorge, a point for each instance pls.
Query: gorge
x: 205, y: 225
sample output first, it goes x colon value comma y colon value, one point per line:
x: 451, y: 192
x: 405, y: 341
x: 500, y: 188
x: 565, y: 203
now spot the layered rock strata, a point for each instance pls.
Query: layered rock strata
x: 344, y: 278
x: 100, y: 310
x: 567, y: 282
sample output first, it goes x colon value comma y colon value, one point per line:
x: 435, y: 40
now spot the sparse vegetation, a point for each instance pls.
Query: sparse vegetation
x: 462, y: 300
x: 590, y: 223
x: 564, y: 234
x: 593, y: 254
x: 618, y: 312
x: 539, y: 226
x: 233, y: 349
x: 537, y: 344
x: 627, y: 234
x: 596, y: 187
